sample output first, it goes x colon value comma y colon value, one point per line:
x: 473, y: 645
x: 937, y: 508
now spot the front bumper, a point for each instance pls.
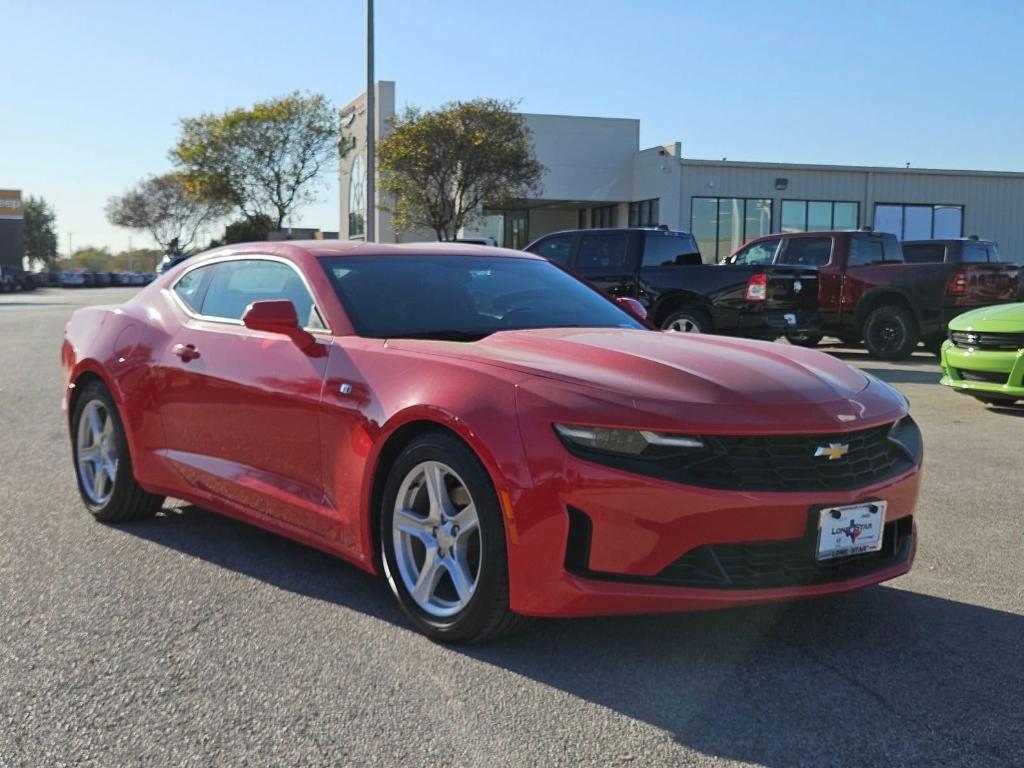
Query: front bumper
x: 640, y: 529
x: 984, y: 372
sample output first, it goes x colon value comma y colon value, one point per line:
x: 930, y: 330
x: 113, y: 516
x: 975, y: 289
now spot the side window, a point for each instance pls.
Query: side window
x: 236, y: 284
x: 603, y: 254
x: 975, y: 253
x: 864, y: 251
x: 924, y: 253
x: 554, y: 249
x: 808, y: 251
x: 190, y: 287
x: 668, y: 250
x: 758, y: 253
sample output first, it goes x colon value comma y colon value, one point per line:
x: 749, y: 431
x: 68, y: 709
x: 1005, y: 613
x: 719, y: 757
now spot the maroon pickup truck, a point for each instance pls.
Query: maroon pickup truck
x: 866, y: 290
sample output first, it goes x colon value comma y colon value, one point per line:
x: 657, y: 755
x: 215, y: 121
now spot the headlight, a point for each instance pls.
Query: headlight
x: 628, y: 442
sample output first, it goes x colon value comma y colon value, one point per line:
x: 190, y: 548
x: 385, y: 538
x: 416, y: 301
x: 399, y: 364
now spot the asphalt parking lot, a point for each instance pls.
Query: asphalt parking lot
x: 194, y: 640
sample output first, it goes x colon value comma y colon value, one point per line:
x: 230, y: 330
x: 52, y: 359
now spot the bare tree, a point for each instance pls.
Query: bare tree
x: 167, y: 207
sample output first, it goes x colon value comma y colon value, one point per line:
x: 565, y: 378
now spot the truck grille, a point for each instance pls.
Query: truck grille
x: 773, y: 564
x: 1005, y: 342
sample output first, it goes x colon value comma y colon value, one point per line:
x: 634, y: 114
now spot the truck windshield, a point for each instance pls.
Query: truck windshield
x: 465, y: 298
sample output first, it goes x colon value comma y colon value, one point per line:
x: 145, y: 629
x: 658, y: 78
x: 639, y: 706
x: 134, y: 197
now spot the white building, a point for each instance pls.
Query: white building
x: 597, y: 176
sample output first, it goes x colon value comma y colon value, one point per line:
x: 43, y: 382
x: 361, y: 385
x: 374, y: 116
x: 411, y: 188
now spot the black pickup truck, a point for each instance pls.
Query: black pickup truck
x: 664, y: 271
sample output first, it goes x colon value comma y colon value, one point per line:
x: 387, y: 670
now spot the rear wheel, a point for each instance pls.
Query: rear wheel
x: 102, y: 463
x: 890, y: 332
x: 443, y: 542
x: 687, y: 321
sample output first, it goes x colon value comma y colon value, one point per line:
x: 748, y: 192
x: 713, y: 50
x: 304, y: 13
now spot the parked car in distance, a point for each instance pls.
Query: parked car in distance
x: 8, y: 283
x: 984, y: 355
x: 477, y: 241
x: 664, y: 271
x: 72, y: 279
x: 148, y: 277
x: 495, y: 437
x: 101, y: 279
x: 119, y: 278
x: 170, y: 261
x: 867, y: 290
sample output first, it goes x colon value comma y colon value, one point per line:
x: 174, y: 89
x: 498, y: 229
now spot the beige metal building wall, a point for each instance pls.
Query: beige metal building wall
x: 993, y: 202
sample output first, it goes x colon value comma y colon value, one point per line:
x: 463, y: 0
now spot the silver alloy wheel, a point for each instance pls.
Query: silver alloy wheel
x: 436, y: 534
x: 96, y: 452
x: 683, y: 325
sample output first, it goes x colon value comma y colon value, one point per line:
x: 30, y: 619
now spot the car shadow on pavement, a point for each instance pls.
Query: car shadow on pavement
x: 919, y: 358
x: 901, y: 376
x: 878, y: 677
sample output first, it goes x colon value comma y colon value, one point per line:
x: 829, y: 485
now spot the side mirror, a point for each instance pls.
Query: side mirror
x: 632, y: 306
x: 277, y: 316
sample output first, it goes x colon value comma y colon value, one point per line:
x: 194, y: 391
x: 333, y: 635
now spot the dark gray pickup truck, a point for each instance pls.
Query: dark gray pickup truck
x: 664, y: 271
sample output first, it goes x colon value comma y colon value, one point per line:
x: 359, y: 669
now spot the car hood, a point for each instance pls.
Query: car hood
x: 713, y: 370
x: 1000, y: 317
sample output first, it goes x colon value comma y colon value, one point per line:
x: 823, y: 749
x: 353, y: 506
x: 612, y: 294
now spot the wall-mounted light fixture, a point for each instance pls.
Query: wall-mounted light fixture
x: 781, y: 183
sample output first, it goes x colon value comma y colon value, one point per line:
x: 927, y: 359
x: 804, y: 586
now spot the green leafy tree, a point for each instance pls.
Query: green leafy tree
x: 267, y: 160
x: 40, y: 232
x: 441, y: 166
x: 169, y: 207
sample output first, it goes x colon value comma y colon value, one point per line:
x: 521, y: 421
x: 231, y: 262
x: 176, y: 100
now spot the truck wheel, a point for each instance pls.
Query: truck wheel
x: 890, y: 332
x: 805, y: 339
x: 688, y: 321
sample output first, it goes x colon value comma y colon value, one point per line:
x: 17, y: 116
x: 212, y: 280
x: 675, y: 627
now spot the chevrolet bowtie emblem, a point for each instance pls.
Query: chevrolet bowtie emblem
x: 834, y: 451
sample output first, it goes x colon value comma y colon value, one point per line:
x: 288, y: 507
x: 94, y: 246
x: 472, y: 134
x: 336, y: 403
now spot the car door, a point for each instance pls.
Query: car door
x: 240, y: 408
x: 605, y: 259
x: 818, y: 252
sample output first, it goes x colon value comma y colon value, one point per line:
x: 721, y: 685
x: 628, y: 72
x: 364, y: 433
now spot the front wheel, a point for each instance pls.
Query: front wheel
x: 890, y: 332
x: 443, y: 542
x: 102, y: 463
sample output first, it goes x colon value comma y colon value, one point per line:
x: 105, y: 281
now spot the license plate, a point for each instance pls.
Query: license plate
x: 850, y: 530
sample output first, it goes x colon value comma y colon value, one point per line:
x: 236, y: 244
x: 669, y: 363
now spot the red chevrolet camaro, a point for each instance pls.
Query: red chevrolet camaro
x: 498, y: 438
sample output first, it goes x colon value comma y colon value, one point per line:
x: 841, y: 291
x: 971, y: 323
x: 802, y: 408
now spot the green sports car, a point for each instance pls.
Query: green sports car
x: 984, y: 355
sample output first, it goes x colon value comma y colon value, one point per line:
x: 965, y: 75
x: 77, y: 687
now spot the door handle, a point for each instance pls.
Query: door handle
x: 186, y: 351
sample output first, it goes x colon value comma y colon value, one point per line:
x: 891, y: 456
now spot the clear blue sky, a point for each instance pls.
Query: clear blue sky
x: 92, y: 91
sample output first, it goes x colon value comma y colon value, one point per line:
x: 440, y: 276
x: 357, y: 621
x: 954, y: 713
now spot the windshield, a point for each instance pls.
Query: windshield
x: 464, y: 298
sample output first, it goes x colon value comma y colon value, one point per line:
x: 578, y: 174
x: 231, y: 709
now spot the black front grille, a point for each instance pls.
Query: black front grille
x: 790, y: 463
x: 987, y: 376
x: 772, y: 564
x: 841, y: 461
x: 998, y: 342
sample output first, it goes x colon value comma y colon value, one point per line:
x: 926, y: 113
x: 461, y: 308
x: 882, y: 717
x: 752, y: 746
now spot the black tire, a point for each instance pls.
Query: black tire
x: 128, y: 500
x: 692, y: 321
x: 487, y: 614
x: 890, y: 332
x: 808, y: 340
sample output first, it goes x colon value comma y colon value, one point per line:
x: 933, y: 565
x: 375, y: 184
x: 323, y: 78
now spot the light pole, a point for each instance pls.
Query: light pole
x: 371, y: 149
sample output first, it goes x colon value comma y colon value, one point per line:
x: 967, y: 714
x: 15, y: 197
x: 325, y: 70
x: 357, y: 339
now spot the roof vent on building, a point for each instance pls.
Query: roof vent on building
x: 973, y: 237
x: 781, y: 183
x: 664, y: 227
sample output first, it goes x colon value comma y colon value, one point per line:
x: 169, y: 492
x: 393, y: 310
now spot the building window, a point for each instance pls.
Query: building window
x: 510, y: 229
x: 722, y: 224
x: 603, y: 216
x: 920, y: 222
x: 357, y: 199
x: 819, y: 215
x: 644, y: 213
